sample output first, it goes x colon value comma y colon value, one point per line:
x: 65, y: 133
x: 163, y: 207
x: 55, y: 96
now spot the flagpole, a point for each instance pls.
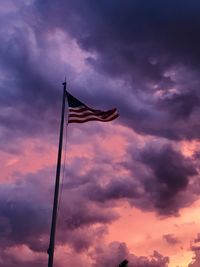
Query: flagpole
x: 56, y: 192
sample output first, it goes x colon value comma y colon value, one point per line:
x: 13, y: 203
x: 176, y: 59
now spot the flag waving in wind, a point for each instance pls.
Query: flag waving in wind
x: 79, y: 112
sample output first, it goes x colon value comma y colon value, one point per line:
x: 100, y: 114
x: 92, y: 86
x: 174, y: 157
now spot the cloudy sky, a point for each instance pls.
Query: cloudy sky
x: 130, y: 188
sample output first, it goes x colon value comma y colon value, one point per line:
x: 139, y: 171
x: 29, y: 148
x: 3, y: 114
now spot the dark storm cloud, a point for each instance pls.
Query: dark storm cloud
x: 135, y: 36
x: 137, y: 42
x: 143, y: 44
x: 158, y: 180
x: 18, y: 226
x: 181, y: 105
x: 170, y: 176
x: 84, y: 238
x: 117, y: 189
x: 118, y: 27
x: 86, y: 203
x: 81, y: 215
x: 26, y: 101
x: 25, y: 215
x: 29, y: 96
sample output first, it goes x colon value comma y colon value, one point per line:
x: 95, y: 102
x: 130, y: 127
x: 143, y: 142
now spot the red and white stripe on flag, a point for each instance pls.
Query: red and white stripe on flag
x: 84, y: 114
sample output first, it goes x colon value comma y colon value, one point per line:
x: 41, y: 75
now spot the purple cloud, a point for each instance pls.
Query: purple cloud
x: 116, y: 252
x: 158, y: 180
x: 142, y: 58
x: 144, y: 54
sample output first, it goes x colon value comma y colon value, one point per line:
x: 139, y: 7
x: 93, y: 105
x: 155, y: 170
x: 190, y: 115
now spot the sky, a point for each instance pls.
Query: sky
x: 129, y: 188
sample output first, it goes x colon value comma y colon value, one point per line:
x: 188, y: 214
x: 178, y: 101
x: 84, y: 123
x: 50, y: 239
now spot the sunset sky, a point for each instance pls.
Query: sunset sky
x: 130, y: 188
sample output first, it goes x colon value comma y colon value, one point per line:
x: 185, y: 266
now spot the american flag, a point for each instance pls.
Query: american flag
x: 79, y: 112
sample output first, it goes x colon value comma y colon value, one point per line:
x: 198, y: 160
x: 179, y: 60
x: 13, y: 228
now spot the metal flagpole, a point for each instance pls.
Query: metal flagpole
x: 56, y: 192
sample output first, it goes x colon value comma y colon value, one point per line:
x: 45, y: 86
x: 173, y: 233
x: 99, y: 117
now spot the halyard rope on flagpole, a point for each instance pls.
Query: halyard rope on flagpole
x: 64, y: 168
